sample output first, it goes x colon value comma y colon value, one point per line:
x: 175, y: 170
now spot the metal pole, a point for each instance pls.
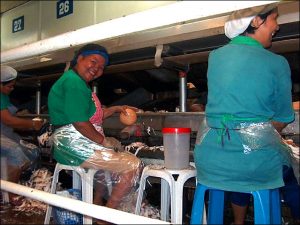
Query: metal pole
x: 182, y: 91
x: 38, y: 99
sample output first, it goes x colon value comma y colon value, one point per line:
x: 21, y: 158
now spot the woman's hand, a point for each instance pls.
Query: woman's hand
x: 37, y: 123
x: 20, y: 123
x: 117, y: 109
x: 124, y: 107
x: 111, y: 142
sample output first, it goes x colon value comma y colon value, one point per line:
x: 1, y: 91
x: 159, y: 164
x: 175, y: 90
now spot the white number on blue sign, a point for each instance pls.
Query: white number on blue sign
x: 64, y: 8
x: 18, y: 24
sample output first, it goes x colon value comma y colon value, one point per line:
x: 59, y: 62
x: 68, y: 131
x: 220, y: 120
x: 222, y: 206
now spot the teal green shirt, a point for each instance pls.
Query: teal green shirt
x: 244, y: 81
x: 248, y: 81
x: 5, y: 102
x: 70, y: 100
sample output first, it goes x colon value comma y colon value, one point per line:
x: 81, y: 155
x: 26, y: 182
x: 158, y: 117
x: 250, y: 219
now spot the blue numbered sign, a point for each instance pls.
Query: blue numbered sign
x: 18, y: 24
x: 64, y: 8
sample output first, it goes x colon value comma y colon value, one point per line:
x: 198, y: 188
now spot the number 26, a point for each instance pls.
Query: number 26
x: 63, y: 7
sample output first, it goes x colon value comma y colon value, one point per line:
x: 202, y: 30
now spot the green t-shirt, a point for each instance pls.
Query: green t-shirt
x: 4, y: 101
x: 70, y: 100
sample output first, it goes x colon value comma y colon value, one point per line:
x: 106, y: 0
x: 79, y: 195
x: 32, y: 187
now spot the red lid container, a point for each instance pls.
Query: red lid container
x: 176, y: 130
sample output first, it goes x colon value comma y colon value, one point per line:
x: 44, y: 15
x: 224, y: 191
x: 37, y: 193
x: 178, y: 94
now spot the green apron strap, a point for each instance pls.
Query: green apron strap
x: 224, y: 130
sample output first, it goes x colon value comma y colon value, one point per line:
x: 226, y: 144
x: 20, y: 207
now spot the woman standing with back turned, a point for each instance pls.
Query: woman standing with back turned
x: 239, y: 147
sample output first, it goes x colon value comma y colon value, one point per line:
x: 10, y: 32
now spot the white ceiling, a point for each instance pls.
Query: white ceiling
x: 165, y: 35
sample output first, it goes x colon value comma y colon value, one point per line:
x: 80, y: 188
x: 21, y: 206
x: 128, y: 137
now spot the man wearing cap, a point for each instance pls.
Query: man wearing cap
x: 249, y: 102
x: 77, y: 114
x: 19, y: 156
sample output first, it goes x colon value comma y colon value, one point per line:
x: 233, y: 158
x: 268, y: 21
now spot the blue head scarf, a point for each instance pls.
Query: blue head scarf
x: 90, y: 49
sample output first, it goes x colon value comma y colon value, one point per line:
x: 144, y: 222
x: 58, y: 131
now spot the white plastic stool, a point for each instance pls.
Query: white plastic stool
x: 86, y: 186
x: 170, y: 187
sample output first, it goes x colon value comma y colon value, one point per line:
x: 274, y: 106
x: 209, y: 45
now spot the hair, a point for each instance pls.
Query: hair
x: 90, y: 48
x: 263, y: 16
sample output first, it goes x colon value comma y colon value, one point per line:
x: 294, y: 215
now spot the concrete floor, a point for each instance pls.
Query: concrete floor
x: 9, y: 216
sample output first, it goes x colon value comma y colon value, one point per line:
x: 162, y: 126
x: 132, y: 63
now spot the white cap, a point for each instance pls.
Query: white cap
x: 239, y: 20
x: 236, y: 27
x: 8, y: 73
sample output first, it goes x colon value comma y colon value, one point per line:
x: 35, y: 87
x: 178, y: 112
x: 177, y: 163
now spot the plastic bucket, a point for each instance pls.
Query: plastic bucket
x: 64, y: 216
x: 176, y: 147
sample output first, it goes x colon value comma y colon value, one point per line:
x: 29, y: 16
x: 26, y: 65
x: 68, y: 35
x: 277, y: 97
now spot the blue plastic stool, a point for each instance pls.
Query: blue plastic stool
x: 267, y: 208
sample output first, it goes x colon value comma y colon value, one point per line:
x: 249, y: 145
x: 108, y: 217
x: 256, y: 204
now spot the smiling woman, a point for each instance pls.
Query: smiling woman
x: 77, y: 116
x: 89, y: 62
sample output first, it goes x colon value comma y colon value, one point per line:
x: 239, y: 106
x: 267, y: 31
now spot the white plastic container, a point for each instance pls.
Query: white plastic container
x: 176, y: 147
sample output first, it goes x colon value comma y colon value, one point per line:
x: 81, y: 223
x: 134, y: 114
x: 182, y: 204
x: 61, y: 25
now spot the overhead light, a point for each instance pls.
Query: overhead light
x: 178, y: 12
x: 45, y: 59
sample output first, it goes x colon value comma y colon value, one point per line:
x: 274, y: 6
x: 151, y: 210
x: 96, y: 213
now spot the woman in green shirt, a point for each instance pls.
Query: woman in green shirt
x: 18, y: 155
x: 77, y: 114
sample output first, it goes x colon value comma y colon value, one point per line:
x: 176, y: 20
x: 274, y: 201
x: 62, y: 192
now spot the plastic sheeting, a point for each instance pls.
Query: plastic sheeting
x: 253, y: 136
x: 116, y: 167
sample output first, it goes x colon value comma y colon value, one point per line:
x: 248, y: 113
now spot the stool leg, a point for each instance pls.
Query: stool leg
x: 108, y: 182
x: 87, y: 184
x: 76, y: 180
x: 215, y: 207
x: 267, y: 207
x: 164, y: 200
x: 87, y: 179
x: 204, y: 219
x: 198, y: 205
x: 276, y: 207
x: 140, y: 195
x: 52, y: 191
x: 177, y: 197
x: 262, y: 207
x: 5, y: 196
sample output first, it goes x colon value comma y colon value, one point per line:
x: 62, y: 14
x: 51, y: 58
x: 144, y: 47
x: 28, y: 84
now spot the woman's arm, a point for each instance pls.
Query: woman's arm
x: 88, y: 130
x: 19, y: 123
x: 279, y: 126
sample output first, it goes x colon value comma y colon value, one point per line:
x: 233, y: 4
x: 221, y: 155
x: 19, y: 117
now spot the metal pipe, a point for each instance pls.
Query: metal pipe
x: 38, y: 100
x: 182, y: 91
x: 181, y: 11
x: 99, y: 212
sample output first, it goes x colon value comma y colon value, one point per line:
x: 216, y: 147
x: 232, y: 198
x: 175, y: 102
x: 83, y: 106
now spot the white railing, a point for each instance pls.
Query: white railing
x: 95, y: 211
